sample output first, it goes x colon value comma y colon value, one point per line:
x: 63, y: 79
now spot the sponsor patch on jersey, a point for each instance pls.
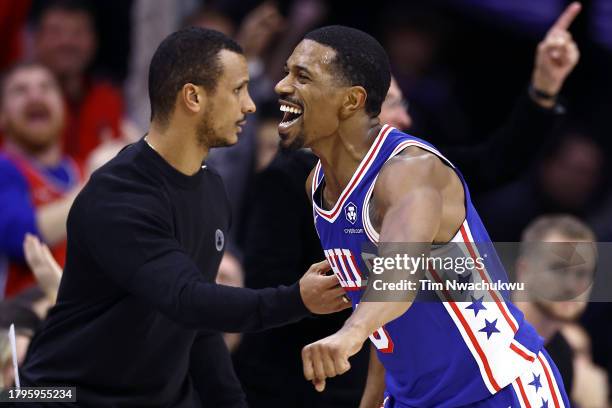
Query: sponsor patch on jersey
x: 350, y: 211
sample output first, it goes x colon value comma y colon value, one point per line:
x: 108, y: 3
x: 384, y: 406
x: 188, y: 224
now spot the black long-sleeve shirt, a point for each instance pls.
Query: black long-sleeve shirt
x: 138, y: 315
x: 509, y: 150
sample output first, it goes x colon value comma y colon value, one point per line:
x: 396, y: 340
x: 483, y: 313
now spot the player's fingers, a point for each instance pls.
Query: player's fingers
x: 307, y: 363
x: 567, y: 17
x: 342, y: 365
x: 319, y: 385
x: 328, y: 364
x: 317, y: 364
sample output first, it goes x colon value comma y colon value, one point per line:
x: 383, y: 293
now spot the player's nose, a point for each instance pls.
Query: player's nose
x: 283, y: 87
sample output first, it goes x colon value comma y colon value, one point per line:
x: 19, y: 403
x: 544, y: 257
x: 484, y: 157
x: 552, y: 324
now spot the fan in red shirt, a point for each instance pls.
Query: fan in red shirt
x: 65, y: 40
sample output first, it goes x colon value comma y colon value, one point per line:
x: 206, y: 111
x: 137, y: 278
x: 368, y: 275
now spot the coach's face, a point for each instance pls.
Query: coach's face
x: 226, y: 108
x: 311, y: 95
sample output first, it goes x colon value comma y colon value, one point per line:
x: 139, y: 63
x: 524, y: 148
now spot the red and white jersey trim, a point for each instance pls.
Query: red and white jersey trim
x: 365, y: 211
x: 537, y: 386
x: 362, y: 169
x: 498, y: 355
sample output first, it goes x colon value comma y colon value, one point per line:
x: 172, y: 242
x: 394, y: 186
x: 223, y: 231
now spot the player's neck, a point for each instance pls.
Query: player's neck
x: 342, y: 153
x: 178, y: 147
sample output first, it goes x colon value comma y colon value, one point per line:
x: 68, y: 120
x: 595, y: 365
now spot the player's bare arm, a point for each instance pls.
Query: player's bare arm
x: 420, y: 200
x: 374, y: 392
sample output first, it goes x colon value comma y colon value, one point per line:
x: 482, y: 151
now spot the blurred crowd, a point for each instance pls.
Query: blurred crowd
x: 469, y: 76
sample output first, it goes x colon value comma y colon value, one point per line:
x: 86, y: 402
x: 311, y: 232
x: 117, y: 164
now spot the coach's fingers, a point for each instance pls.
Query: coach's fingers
x: 320, y: 267
x: 567, y: 17
x: 337, y: 292
x: 330, y: 282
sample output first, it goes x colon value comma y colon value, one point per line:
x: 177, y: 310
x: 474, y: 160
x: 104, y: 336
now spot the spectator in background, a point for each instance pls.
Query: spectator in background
x: 65, y: 41
x: 38, y: 182
x: 557, y: 263
x: 535, y: 115
x: 567, y: 179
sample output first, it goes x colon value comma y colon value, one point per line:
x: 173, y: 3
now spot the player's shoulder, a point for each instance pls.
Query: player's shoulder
x: 414, y: 162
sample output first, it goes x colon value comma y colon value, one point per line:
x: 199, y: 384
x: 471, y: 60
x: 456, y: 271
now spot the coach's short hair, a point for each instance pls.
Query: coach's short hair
x: 190, y: 55
x: 360, y: 60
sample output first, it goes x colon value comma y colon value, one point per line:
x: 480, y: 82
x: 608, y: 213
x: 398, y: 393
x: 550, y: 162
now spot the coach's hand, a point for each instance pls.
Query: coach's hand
x: 556, y: 57
x: 321, y: 293
x: 329, y: 357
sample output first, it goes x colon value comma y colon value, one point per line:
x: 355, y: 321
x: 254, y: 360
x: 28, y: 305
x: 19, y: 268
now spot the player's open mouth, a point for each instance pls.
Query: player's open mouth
x: 292, y: 114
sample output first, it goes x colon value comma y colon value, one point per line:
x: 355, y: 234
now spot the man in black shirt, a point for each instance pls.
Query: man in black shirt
x: 138, y: 315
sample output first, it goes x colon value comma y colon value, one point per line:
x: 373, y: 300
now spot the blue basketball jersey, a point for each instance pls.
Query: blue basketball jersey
x: 448, y: 353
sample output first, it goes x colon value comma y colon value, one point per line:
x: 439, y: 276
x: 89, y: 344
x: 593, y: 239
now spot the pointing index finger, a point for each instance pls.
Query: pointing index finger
x: 567, y: 17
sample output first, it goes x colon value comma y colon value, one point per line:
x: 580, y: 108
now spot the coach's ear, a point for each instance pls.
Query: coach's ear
x: 193, y: 97
x: 354, y: 100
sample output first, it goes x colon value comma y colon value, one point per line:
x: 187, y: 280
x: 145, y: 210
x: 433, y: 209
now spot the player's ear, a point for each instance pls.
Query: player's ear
x: 354, y: 100
x: 193, y: 97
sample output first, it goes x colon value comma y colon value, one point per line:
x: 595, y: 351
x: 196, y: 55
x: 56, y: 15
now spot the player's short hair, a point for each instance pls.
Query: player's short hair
x: 360, y: 60
x: 190, y: 55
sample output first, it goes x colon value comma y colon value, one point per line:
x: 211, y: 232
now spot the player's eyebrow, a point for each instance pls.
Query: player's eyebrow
x: 303, y: 68
x: 299, y: 67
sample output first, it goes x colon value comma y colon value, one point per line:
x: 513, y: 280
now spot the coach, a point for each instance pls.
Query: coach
x: 138, y: 315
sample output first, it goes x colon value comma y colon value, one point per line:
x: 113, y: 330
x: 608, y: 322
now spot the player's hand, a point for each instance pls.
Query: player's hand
x: 557, y: 54
x: 322, y: 294
x: 329, y: 357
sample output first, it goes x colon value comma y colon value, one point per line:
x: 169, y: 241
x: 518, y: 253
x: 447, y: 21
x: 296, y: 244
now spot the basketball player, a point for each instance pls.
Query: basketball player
x: 374, y: 184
